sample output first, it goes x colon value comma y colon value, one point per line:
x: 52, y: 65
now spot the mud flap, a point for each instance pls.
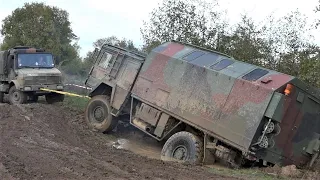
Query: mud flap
x: 208, y: 151
x: 313, y: 149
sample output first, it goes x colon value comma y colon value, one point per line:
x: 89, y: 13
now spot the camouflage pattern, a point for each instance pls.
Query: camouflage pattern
x: 216, y: 94
x: 264, y: 114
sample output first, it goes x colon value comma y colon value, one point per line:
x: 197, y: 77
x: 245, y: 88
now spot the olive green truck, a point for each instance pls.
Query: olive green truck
x: 205, y: 103
x: 24, y: 71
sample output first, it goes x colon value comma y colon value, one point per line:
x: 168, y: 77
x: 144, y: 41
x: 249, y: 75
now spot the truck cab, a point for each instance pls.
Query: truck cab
x: 24, y: 71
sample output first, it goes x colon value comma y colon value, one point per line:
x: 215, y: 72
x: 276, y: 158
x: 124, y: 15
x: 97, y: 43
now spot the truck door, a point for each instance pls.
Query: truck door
x: 118, y: 69
x: 306, y: 127
x: 301, y: 123
x: 106, y: 66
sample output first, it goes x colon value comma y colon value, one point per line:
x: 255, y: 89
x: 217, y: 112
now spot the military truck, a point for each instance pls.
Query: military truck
x: 24, y: 71
x: 204, y: 103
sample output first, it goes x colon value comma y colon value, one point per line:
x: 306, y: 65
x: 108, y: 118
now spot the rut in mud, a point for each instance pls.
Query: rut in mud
x: 41, y: 141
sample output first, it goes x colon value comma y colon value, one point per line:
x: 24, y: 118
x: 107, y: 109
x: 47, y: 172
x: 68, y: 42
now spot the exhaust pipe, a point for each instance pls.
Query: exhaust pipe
x: 141, y: 124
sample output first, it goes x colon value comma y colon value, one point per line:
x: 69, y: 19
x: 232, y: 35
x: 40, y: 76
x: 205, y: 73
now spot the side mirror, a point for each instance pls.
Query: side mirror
x: 94, y: 55
x: 54, y: 61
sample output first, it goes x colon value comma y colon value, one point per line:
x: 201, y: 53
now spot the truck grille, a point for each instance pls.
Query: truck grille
x: 43, y: 80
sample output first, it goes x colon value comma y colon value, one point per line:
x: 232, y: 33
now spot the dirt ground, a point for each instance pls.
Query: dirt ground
x: 41, y: 141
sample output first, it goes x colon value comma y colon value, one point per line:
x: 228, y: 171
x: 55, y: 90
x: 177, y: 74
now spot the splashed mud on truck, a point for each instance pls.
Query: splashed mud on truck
x: 204, y: 103
x: 24, y: 71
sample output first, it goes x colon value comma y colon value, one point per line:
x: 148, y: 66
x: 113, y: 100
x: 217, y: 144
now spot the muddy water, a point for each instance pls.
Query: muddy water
x: 132, y: 139
x: 141, y: 148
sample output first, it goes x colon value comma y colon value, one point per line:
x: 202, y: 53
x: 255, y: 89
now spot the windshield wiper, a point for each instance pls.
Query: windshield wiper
x: 35, y: 67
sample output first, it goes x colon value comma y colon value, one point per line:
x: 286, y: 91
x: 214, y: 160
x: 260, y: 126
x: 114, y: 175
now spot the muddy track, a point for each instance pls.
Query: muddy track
x: 41, y: 141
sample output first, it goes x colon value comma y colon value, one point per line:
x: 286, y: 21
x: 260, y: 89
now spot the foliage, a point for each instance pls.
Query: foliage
x: 113, y: 40
x: 188, y: 21
x: 245, y: 42
x: 39, y: 25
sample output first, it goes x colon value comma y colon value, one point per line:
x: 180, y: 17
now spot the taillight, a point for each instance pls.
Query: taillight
x: 288, y: 89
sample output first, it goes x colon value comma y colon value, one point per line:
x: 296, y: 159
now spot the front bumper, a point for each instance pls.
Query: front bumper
x: 36, y: 88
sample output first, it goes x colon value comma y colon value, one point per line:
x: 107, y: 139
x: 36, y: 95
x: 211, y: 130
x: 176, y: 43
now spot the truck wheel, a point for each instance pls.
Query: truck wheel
x: 54, y: 97
x: 16, y: 96
x: 183, y: 146
x: 1, y: 97
x: 98, y: 116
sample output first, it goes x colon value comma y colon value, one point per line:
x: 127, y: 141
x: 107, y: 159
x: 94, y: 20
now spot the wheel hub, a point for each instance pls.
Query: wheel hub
x: 16, y: 96
x: 264, y: 143
x: 180, y: 153
x: 270, y: 127
x: 98, y: 114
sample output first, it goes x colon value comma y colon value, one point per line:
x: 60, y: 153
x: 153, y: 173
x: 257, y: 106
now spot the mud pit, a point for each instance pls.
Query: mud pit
x: 41, y: 141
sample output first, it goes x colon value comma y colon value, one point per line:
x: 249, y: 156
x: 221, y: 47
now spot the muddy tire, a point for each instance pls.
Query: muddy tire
x: 54, y: 98
x: 16, y: 96
x: 98, y: 114
x: 183, y: 146
x: 1, y: 97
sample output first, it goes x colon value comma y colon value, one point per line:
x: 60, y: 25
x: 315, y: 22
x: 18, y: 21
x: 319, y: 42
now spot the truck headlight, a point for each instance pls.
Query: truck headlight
x: 27, y: 88
x: 60, y: 87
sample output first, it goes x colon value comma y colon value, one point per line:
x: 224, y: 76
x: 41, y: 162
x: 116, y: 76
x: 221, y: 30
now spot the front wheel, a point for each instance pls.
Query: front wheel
x: 98, y: 114
x: 183, y: 146
x: 16, y: 96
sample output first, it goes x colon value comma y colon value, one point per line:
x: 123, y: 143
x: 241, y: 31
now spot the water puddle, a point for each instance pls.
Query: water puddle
x: 141, y: 148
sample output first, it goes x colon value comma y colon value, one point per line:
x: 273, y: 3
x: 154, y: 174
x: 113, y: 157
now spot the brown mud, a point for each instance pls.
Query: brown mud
x: 41, y: 141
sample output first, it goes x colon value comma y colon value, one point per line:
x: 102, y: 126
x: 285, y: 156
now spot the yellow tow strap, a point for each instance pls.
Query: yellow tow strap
x: 65, y: 93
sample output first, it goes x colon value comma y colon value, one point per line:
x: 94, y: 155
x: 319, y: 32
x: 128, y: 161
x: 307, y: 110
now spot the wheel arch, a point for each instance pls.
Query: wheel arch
x: 102, y: 89
x: 14, y: 83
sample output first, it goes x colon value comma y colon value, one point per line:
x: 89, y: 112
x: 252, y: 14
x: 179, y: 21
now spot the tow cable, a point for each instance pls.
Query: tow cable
x: 65, y: 93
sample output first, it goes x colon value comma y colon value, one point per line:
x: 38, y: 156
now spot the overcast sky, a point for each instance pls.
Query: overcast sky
x: 93, y: 19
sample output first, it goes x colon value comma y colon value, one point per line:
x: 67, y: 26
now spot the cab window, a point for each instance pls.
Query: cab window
x: 105, y: 59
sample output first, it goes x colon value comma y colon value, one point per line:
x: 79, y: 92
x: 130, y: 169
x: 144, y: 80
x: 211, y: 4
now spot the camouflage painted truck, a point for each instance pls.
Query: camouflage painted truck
x: 24, y: 70
x: 206, y: 104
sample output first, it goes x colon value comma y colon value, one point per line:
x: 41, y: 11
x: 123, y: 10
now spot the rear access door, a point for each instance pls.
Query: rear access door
x: 303, y: 126
x: 306, y: 128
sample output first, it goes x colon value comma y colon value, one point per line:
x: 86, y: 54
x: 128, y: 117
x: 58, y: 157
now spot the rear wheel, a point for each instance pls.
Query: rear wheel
x: 16, y: 96
x: 54, y: 97
x: 98, y: 114
x: 183, y: 146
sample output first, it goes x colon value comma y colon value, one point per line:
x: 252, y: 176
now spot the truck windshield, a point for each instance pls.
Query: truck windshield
x: 35, y: 60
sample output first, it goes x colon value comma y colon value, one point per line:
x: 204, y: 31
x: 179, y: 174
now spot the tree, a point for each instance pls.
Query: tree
x: 191, y: 21
x: 288, y: 38
x: 113, y: 40
x: 39, y: 25
x: 124, y: 43
x: 245, y: 42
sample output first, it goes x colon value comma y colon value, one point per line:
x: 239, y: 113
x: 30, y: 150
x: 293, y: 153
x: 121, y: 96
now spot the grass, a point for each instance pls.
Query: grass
x: 244, y: 173
x: 78, y: 103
